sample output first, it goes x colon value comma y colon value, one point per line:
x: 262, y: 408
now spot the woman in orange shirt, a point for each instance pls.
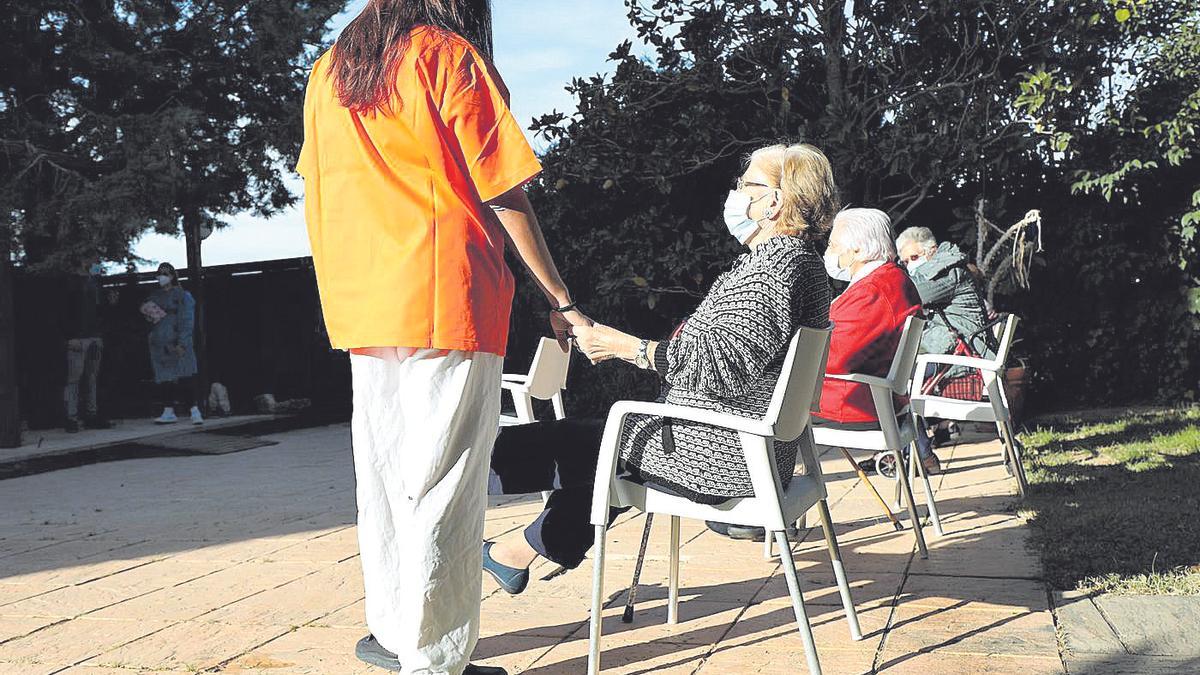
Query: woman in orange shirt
x: 414, y: 168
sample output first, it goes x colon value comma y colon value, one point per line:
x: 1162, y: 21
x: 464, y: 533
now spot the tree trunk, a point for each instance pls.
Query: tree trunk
x: 191, y: 228
x: 10, y: 413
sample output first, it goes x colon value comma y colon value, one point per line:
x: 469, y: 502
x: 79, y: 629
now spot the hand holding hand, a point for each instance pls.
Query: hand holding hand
x: 562, y: 323
x: 601, y: 343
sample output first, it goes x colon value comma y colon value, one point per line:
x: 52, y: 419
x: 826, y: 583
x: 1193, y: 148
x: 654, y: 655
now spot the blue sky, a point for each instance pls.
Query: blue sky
x: 540, y: 46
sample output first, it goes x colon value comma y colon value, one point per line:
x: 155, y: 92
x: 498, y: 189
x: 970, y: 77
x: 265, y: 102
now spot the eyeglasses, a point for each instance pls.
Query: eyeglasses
x: 741, y: 183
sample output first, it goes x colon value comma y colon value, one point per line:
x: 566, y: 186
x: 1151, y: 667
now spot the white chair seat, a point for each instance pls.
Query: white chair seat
x: 953, y: 409
x: 859, y: 440
x: 800, y: 495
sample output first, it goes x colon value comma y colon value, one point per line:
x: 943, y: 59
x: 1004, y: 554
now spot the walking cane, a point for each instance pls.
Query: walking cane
x: 861, y: 474
x: 631, y: 597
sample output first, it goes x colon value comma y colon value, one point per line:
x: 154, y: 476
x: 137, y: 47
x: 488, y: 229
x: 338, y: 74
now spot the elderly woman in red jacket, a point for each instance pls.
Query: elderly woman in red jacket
x: 867, y: 317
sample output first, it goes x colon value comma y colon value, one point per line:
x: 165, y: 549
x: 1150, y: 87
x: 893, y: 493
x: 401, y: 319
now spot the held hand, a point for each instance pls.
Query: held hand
x: 602, y: 343
x: 562, y: 324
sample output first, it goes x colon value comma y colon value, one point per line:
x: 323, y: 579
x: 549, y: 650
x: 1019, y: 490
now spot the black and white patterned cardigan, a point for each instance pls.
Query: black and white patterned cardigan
x: 727, y: 358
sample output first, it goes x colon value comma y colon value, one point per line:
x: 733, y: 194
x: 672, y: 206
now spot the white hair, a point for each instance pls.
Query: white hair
x: 866, y: 231
x: 921, y: 236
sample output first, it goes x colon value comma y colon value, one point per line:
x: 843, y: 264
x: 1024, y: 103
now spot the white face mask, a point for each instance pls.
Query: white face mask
x: 164, y: 280
x: 833, y: 269
x: 737, y: 216
x: 914, y: 264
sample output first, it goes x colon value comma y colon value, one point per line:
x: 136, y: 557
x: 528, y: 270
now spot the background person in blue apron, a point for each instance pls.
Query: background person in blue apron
x: 172, y: 311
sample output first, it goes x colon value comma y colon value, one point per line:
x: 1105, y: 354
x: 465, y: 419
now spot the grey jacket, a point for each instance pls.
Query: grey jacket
x: 945, y: 284
x: 727, y: 358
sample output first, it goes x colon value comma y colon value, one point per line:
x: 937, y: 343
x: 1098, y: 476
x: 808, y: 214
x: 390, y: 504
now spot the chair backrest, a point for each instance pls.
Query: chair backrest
x: 1005, y: 339
x: 901, y: 372
x: 799, y: 384
x: 548, y: 372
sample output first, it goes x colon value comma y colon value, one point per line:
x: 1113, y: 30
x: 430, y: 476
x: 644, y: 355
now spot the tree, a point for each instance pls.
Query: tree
x: 122, y: 116
x: 912, y: 101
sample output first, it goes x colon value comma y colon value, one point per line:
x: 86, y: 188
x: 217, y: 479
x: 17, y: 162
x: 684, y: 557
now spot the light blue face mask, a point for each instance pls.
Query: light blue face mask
x: 737, y: 216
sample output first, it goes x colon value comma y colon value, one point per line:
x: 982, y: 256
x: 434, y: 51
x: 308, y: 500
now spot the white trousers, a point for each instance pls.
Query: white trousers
x: 423, y: 430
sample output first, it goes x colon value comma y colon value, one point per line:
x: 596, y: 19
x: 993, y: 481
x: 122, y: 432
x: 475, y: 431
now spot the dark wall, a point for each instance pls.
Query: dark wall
x: 265, y: 335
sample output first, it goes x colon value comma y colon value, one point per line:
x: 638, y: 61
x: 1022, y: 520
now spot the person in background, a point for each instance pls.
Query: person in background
x: 952, y: 298
x: 85, y: 348
x: 172, y: 311
x: 414, y: 171
x: 868, y: 320
x: 949, y: 292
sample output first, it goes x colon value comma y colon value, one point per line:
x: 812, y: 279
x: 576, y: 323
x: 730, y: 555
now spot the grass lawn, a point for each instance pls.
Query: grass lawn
x: 1116, y: 501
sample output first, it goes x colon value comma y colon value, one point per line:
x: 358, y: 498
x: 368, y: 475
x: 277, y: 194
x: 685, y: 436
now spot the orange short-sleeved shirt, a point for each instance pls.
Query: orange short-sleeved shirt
x: 405, y: 250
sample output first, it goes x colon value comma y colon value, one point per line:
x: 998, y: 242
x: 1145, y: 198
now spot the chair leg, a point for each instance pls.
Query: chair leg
x: 673, y: 575
x: 929, y: 502
x: 768, y: 548
x: 523, y: 403
x: 806, y: 635
x: 835, y: 555
x: 906, y: 489
x: 1014, y: 456
x: 597, y: 603
x: 559, y: 411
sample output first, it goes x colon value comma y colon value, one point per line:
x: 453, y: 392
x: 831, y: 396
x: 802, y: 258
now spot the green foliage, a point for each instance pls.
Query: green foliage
x: 912, y: 101
x: 119, y: 116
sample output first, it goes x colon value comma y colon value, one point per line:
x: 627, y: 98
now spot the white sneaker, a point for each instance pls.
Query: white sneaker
x: 167, y: 417
x: 196, y: 418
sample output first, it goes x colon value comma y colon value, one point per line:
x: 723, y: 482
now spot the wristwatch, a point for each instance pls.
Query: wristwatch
x: 642, y: 360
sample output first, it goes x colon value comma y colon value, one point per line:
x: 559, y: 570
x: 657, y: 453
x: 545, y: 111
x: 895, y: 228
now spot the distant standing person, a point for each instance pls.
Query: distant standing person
x: 85, y: 348
x: 414, y: 168
x: 172, y: 311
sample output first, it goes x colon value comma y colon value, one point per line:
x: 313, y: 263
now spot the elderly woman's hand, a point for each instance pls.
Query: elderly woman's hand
x: 601, y: 343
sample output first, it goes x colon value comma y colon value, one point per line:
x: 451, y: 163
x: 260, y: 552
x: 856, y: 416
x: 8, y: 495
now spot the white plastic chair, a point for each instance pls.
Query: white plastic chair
x: 545, y: 381
x: 891, y: 436
x: 994, y: 409
x: 771, y: 507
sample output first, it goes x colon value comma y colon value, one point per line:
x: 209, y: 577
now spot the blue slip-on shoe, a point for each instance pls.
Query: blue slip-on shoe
x: 368, y: 650
x: 512, y: 579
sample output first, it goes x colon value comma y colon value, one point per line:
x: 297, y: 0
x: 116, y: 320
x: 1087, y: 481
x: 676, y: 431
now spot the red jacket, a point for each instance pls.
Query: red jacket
x: 867, y: 321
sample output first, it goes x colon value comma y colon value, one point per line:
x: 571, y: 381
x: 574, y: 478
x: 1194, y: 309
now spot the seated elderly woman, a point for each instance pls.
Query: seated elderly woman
x: 951, y: 296
x: 868, y: 319
x: 726, y: 356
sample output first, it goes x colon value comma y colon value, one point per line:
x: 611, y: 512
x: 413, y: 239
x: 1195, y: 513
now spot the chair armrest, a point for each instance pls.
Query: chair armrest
x: 514, y: 386
x: 622, y: 409
x: 861, y: 379
x: 514, y: 378
x: 954, y: 360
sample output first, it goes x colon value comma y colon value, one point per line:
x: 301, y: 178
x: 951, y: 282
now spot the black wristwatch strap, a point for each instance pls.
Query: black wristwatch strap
x: 565, y: 308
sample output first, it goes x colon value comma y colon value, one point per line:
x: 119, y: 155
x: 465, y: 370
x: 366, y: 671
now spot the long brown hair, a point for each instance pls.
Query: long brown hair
x: 367, y: 55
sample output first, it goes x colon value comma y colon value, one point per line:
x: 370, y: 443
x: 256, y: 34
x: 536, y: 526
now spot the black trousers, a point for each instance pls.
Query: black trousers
x: 179, y: 392
x: 560, y: 456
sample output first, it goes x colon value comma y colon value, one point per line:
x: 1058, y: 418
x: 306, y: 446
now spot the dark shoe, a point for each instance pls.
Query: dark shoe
x: 71, y: 426
x: 941, y: 436
x: 96, y: 422
x: 867, y: 465
x: 747, y: 532
x: 512, y: 579
x: 932, y: 465
x: 368, y: 650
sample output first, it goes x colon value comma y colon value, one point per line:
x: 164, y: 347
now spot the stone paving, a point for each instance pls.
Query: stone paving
x: 247, y: 563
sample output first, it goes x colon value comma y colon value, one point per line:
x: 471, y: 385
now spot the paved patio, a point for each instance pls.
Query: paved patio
x: 247, y: 563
